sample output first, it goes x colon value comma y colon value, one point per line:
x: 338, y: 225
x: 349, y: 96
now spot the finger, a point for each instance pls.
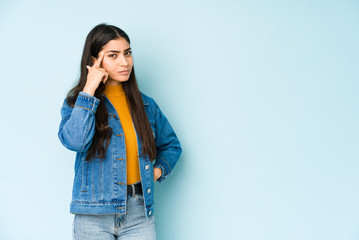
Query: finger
x: 105, y: 77
x: 99, y: 60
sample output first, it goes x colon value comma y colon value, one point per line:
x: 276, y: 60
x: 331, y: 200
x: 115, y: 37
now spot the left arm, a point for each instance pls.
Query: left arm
x: 167, y: 145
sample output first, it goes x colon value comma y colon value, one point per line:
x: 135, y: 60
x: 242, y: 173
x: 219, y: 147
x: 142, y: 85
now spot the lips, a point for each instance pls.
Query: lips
x: 124, y: 72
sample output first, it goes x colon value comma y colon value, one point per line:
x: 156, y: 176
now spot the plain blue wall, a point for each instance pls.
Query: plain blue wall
x: 262, y: 94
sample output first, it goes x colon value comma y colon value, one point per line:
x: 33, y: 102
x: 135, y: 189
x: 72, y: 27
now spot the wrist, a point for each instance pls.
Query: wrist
x: 89, y: 90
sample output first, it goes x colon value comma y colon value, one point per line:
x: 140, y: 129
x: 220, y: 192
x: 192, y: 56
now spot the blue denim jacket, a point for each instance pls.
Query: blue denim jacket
x: 100, y: 185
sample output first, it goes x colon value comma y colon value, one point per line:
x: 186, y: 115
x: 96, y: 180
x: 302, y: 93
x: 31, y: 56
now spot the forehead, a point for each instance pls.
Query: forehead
x: 117, y: 44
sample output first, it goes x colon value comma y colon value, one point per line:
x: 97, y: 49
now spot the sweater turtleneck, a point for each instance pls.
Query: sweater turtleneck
x: 116, y: 90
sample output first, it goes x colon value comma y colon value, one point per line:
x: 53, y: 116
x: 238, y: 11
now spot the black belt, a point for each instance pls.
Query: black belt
x: 134, y: 189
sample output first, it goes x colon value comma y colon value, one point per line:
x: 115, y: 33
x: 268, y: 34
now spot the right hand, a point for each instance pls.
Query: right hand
x: 95, y: 76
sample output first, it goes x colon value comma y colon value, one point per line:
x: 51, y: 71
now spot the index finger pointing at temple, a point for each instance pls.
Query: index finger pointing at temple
x: 99, y: 59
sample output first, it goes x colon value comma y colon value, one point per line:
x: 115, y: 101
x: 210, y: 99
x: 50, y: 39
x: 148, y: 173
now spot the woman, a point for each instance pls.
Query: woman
x: 123, y: 141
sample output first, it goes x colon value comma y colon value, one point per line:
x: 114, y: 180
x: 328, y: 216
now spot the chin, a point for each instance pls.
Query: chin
x: 121, y: 80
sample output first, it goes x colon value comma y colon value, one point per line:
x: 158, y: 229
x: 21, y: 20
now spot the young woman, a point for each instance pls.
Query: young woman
x: 124, y: 143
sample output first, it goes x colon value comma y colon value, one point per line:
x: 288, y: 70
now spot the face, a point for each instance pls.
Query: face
x: 117, y: 61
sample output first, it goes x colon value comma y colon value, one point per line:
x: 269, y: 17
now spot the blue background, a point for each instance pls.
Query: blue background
x: 262, y: 94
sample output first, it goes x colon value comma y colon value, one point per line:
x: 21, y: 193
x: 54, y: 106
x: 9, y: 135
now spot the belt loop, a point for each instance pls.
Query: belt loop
x: 133, y: 190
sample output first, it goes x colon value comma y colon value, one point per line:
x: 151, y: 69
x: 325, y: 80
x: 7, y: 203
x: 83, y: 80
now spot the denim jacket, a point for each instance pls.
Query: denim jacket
x: 100, y: 185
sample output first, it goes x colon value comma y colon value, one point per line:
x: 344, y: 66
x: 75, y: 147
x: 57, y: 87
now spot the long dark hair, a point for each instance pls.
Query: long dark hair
x: 99, y: 36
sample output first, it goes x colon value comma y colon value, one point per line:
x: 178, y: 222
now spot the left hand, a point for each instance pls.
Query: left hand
x: 157, y: 173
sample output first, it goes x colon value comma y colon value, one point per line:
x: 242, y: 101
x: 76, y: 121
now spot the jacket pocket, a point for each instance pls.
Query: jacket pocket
x: 84, y: 178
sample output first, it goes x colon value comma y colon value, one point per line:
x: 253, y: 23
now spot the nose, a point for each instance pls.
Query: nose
x: 122, y: 60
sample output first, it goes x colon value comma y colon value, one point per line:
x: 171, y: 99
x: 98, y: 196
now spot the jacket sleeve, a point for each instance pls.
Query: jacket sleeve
x: 167, y: 145
x: 77, y: 126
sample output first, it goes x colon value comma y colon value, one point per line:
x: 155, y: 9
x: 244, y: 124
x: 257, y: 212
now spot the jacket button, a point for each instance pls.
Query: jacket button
x: 149, y: 190
x: 147, y: 167
x: 150, y: 212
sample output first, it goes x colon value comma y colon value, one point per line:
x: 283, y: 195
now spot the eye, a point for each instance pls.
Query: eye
x: 128, y: 53
x: 113, y: 55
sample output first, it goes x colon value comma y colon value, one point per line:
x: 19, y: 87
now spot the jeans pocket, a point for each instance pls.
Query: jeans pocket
x: 73, y: 229
x: 139, y: 199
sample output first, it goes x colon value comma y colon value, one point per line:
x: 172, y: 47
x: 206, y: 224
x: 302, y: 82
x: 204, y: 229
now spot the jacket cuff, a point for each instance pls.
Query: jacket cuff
x: 163, y: 165
x: 87, y: 101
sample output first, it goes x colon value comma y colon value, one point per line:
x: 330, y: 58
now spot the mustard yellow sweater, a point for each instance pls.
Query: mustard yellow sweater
x: 117, y: 97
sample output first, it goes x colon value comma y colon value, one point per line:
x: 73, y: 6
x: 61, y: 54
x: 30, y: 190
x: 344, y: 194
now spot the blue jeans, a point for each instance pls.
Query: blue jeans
x: 132, y: 225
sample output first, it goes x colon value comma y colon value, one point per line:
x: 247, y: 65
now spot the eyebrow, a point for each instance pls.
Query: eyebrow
x: 116, y: 51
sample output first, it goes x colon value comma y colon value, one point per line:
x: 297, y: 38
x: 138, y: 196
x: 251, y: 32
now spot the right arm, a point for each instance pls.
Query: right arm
x: 77, y: 126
